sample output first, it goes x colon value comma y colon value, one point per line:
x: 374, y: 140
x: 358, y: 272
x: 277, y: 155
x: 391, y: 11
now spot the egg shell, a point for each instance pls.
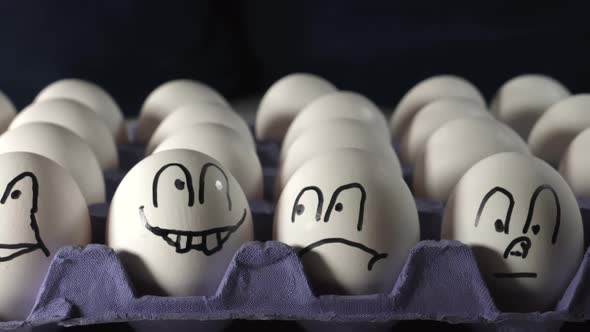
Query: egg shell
x: 329, y: 135
x: 7, y: 112
x: 340, y: 104
x: 42, y: 210
x: 79, y: 119
x: 558, y: 126
x: 65, y: 148
x: 168, y: 97
x: 575, y: 164
x: 353, y: 226
x: 284, y: 100
x: 431, y: 117
x: 454, y: 148
x: 225, y: 145
x: 196, y: 113
x: 93, y: 96
x: 525, y: 228
x: 175, y: 221
x: 429, y: 90
x: 521, y: 101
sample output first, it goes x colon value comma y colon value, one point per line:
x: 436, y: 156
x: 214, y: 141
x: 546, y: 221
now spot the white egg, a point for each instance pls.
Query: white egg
x: 176, y: 220
x: 341, y: 104
x: 92, y: 96
x: 65, y: 148
x: 225, y: 145
x: 79, y: 119
x: 436, y: 87
x: 196, y: 113
x: 454, y: 148
x: 431, y: 117
x: 575, y: 164
x: 525, y: 228
x: 284, y: 100
x: 352, y: 226
x: 329, y: 135
x: 42, y: 210
x: 7, y: 112
x: 521, y: 101
x: 558, y: 126
x: 168, y: 97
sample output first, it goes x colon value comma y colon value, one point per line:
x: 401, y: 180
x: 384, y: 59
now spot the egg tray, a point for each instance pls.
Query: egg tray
x: 266, y: 281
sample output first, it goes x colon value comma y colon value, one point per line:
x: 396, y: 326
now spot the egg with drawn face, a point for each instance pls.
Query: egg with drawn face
x: 524, y: 225
x: 176, y: 220
x: 352, y: 226
x: 41, y: 209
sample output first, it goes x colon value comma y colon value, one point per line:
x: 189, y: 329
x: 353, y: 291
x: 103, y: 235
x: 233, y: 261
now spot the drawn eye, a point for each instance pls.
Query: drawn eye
x: 499, y: 225
x: 536, y: 229
x: 179, y: 184
x: 338, y: 207
x: 300, y: 209
x: 15, y: 194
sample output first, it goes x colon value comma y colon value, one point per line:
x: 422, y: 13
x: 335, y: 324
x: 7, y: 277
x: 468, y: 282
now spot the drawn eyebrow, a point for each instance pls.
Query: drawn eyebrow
x: 318, y: 214
x: 188, y: 178
x: 489, y: 195
x: 202, y: 183
x: 529, y: 216
x: 337, y: 192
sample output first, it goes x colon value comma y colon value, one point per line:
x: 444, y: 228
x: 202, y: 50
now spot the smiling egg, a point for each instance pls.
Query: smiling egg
x: 284, y: 100
x: 176, y: 220
x: 7, y: 112
x: 454, y: 148
x: 353, y: 226
x: 78, y: 118
x: 521, y: 101
x: 65, y: 148
x: 225, y: 145
x: 42, y: 210
x: 336, y: 105
x: 429, y: 90
x: 168, y: 97
x: 525, y: 228
x: 92, y: 96
x: 196, y: 113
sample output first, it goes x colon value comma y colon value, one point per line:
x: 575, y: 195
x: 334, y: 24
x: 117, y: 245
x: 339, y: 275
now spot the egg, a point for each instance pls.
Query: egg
x: 525, y: 228
x: 79, y: 119
x: 284, y: 100
x: 436, y: 87
x: 338, y: 133
x: 454, y: 148
x: 352, y: 226
x: 521, y: 101
x: 196, y: 113
x: 575, y: 164
x: 65, y: 148
x: 176, y: 220
x: 558, y: 126
x: 92, y: 96
x: 431, y: 117
x: 168, y: 97
x: 7, y: 112
x: 340, y: 104
x: 225, y: 145
x: 42, y: 210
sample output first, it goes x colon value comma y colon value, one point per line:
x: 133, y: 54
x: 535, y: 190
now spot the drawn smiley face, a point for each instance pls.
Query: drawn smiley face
x: 352, y: 226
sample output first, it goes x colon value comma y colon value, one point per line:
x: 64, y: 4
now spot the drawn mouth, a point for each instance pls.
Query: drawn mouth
x: 376, y: 256
x: 515, y: 275
x: 10, y: 251
x: 208, y: 241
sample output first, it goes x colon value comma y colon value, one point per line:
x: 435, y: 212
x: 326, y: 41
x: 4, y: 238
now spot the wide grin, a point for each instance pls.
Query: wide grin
x: 208, y: 241
x: 376, y: 255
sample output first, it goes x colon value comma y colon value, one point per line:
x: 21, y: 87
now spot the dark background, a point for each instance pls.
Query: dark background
x: 379, y: 48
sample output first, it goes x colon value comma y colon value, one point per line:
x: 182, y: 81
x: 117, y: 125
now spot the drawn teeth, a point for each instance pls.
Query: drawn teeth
x: 183, y: 242
x: 223, y: 236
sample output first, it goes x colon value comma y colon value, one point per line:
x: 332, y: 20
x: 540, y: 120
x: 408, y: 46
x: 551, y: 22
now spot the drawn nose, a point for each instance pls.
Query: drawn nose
x: 519, y: 247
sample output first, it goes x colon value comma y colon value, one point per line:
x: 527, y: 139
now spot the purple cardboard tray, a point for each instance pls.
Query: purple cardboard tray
x: 266, y: 280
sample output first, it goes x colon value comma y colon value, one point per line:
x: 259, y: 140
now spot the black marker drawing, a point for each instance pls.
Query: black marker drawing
x: 520, y: 246
x: 208, y: 241
x: 337, y: 206
x: 24, y: 248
